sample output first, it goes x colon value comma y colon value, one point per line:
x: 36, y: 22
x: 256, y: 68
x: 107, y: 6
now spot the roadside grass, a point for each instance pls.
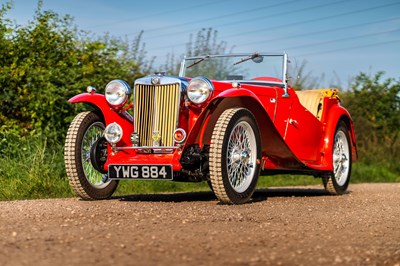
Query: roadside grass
x: 37, y: 171
x: 374, y: 173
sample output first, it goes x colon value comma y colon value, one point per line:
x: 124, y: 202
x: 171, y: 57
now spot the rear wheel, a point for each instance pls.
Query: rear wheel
x: 235, y: 153
x: 338, y: 181
x: 84, y: 155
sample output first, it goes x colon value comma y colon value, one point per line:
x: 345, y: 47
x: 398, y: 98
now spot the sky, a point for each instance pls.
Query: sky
x: 337, y: 39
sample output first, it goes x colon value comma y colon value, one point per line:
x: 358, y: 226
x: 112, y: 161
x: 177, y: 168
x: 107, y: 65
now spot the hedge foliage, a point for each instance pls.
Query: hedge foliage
x: 374, y: 104
x: 49, y: 60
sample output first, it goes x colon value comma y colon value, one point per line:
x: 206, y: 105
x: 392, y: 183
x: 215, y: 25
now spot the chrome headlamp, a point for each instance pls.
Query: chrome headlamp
x: 113, y: 133
x: 199, y: 90
x: 117, y: 92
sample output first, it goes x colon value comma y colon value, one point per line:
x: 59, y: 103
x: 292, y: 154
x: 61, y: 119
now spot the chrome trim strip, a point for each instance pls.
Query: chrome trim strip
x: 164, y: 80
x: 234, y: 54
x: 261, y: 82
x: 147, y: 147
x: 285, y: 76
x: 182, y: 69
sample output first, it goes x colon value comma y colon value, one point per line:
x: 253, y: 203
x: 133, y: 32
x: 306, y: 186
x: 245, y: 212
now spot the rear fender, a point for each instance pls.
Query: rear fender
x: 272, y: 143
x: 99, y: 102
x: 337, y: 113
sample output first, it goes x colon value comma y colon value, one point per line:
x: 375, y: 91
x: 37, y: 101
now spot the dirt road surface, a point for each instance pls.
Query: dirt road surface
x: 281, y: 226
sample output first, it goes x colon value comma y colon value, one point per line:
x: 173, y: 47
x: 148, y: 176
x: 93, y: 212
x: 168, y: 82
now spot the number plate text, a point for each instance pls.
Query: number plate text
x: 142, y: 172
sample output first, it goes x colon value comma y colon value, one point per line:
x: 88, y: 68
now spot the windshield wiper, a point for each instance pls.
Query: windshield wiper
x: 255, y: 57
x: 198, y: 61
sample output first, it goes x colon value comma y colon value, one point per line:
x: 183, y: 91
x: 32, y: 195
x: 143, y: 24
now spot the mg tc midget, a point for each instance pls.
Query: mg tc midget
x: 225, y: 119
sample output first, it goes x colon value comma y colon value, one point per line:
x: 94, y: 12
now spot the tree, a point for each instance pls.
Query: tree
x: 205, y: 43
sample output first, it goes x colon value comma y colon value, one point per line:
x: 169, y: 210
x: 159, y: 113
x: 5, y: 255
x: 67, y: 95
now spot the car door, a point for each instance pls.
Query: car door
x: 300, y: 129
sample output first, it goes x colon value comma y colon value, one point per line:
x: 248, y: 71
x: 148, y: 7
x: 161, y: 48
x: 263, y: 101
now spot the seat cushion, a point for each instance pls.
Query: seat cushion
x: 313, y: 100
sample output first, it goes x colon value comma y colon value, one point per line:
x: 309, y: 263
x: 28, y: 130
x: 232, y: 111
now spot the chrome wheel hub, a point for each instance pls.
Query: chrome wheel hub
x: 341, y: 155
x: 241, y: 156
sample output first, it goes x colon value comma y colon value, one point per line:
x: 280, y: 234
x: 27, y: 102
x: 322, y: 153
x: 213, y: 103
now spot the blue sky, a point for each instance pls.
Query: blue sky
x: 337, y: 38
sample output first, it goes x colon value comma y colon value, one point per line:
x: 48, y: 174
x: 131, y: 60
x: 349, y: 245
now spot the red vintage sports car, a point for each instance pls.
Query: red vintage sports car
x: 224, y: 119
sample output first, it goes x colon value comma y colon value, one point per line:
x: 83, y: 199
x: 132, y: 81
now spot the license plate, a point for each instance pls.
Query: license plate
x: 140, y: 172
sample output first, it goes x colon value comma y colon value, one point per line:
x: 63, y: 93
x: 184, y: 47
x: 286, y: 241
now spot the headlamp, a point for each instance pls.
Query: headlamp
x: 199, y: 90
x: 113, y: 133
x: 117, y: 92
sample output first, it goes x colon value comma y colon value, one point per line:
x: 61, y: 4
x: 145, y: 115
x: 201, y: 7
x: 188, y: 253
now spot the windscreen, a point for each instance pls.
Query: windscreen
x: 234, y: 67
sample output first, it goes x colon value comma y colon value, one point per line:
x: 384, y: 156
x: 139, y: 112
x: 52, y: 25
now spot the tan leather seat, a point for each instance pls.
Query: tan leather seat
x: 313, y: 100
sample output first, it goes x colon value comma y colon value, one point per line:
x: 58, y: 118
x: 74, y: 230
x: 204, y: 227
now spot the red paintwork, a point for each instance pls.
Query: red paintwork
x: 303, y: 146
x: 131, y: 157
x: 335, y: 113
x: 303, y: 137
x: 121, y: 117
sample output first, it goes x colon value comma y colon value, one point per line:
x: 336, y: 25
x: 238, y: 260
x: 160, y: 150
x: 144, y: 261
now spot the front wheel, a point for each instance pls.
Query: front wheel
x: 235, y: 154
x: 85, y: 154
x: 337, y: 182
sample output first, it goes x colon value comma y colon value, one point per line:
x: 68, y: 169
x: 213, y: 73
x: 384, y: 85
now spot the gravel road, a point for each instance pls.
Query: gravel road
x: 281, y: 226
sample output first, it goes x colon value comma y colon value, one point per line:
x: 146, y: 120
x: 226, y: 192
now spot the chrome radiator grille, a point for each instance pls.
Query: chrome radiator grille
x: 156, y: 112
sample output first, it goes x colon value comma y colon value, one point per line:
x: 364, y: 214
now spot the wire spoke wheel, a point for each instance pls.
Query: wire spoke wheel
x: 341, y: 155
x: 82, y: 149
x: 338, y: 181
x: 240, y: 156
x: 235, y: 153
x: 93, y: 133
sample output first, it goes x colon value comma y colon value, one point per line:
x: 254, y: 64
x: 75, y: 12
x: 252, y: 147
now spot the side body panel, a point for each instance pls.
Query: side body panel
x: 262, y: 105
x: 299, y: 128
x: 292, y: 137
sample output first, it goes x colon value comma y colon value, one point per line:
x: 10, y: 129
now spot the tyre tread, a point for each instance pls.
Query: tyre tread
x: 70, y: 154
x: 76, y: 176
x: 218, y: 175
x: 217, y: 139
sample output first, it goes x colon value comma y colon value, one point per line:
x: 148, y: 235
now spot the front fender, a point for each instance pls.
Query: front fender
x: 94, y: 99
x: 99, y: 102
x: 201, y: 131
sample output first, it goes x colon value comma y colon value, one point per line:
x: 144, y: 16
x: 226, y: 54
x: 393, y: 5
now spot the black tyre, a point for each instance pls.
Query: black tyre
x: 235, y: 154
x: 85, y: 153
x: 338, y: 181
